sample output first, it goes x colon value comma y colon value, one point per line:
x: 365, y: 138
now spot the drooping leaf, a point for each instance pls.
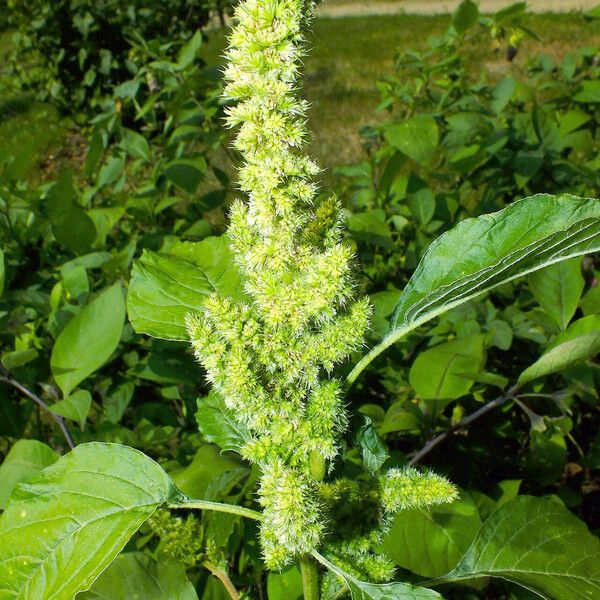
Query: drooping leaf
x: 165, y: 287
x: 579, y: 342
x: 88, y: 339
x: 416, y: 137
x: 362, y: 590
x: 23, y: 462
x: 217, y: 425
x: 445, y: 372
x: 162, y: 290
x: 188, y: 52
x: 372, y: 450
x: 538, y: 544
x: 431, y: 541
x: 557, y: 289
x: 482, y: 253
x: 61, y: 530
x: 136, y: 575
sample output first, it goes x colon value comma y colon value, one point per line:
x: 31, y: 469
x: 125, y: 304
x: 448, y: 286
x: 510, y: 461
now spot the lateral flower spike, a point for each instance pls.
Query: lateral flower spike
x: 271, y: 356
x: 410, y: 488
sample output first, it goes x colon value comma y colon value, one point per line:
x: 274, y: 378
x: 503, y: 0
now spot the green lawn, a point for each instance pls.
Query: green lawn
x: 349, y: 55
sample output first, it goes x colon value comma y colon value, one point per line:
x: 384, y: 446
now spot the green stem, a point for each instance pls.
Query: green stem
x: 310, y: 578
x: 218, y: 507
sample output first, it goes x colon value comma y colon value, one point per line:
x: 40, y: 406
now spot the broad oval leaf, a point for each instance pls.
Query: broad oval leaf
x: 88, y: 339
x: 577, y: 343
x: 136, y: 575
x: 482, y: 253
x: 416, y: 137
x: 59, y: 532
x: 538, y: 544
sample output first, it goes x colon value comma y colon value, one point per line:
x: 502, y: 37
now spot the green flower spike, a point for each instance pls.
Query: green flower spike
x: 271, y: 357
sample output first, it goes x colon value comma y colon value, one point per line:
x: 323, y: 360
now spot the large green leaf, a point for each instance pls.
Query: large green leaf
x: 165, y: 287
x: 431, y: 541
x: 136, y: 575
x: 59, y: 532
x: 362, y: 590
x: 88, y: 339
x: 580, y: 341
x: 538, y: 544
x: 482, y: 253
x: 23, y: 462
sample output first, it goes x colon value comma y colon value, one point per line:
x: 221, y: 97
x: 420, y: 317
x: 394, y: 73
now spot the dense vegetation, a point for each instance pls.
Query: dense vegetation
x: 113, y: 209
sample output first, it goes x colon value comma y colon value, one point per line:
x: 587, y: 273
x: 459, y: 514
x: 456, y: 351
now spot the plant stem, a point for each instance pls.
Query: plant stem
x: 310, y: 578
x: 218, y: 507
x: 223, y: 577
x: 432, y: 443
x: 6, y: 378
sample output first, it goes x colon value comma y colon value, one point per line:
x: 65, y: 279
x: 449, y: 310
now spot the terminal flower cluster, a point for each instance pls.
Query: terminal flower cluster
x: 271, y: 355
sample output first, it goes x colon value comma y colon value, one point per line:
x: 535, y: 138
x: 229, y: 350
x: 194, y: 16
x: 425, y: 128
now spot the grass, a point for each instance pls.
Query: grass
x: 349, y: 55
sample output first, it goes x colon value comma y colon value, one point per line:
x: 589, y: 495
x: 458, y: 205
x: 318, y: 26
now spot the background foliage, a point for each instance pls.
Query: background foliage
x: 122, y: 156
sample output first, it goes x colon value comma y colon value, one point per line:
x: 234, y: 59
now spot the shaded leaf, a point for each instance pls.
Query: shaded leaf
x: 416, y: 137
x: 22, y: 463
x: 88, y: 339
x: 136, y: 575
x: 372, y: 450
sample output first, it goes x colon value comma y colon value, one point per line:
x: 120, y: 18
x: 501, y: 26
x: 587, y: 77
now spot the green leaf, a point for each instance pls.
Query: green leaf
x: 137, y: 575
x: 88, y: 339
x: 371, y: 227
x: 135, y: 144
x: 188, y: 52
x: 186, y: 173
x: 286, y: 585
x: 60, y: 531
x: 373, y: 452
x: 430, y: 542
x: 217, y: 424
x: 210, y: 470
x: 465, y: 16
x: 589, y: 93
x: 75, y: 407
x: 18, y: 358
x: 557, y: 289
x: 162, y: 291
x: 579, y: 342
x: 361, y: 590
x: 23, y: 462
x: 441, y: 373
x: 482, y: 253
x: 165, y: 287
x: 416, y: 137
x: 538, y: 544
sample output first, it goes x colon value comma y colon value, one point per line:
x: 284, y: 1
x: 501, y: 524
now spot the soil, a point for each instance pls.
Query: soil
x: 433, y: 7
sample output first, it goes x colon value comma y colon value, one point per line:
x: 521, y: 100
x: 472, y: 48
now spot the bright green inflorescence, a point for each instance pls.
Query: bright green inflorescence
x: 271, y: 357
